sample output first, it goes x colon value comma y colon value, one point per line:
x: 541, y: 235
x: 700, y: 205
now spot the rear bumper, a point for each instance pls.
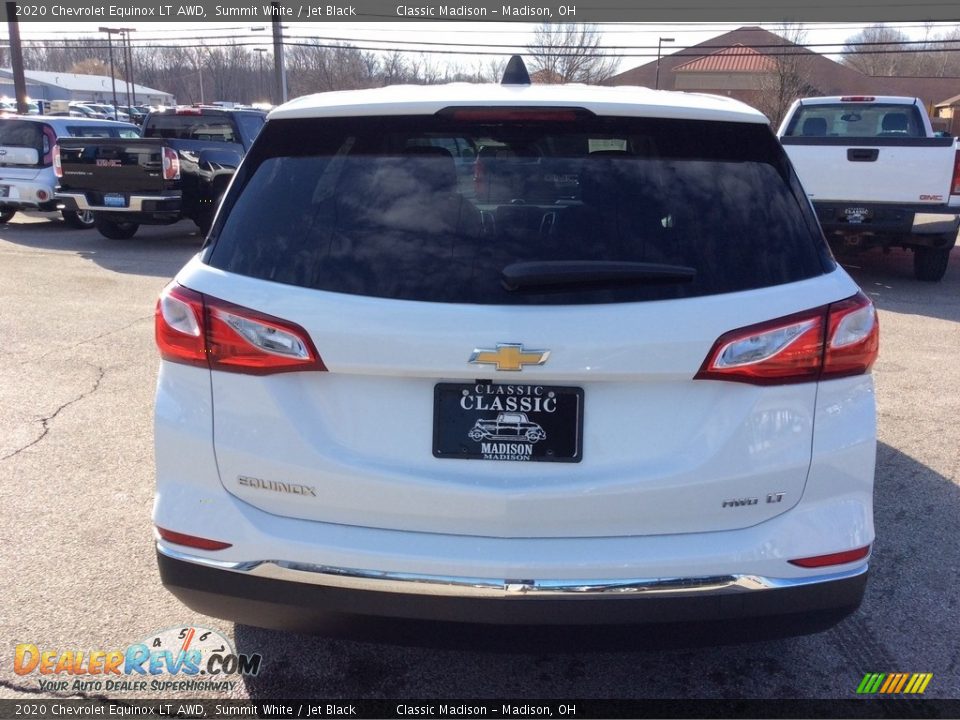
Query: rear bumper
x: 23, y: 195
x: 298, y: 597
x: 136, y: 204
x: 888, y: 223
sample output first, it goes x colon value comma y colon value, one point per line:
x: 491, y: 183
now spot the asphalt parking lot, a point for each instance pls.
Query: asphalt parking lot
x: 77, y: 370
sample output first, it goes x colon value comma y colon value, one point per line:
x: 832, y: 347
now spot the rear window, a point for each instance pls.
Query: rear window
x: 95, y: 131
x: 208, y: 128
x: 856, y: 120
x: 21, y: 133
x: 435, y: 208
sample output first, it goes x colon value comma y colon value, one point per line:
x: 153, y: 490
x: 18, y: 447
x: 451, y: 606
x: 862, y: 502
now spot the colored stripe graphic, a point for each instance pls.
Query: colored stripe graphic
x: 871, y: 683
x: 894, y: 683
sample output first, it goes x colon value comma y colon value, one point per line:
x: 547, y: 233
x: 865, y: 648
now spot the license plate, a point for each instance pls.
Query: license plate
x: 4, y: 191
x: 515, y: 422
x: 114, y: 200
x: 857, y: 215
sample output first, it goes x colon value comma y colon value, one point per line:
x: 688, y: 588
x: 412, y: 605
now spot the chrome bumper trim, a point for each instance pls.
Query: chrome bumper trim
x: 414, y: 584
x: 135, y: 203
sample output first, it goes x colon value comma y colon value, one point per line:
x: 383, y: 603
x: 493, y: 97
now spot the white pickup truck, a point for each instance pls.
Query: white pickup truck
x: 877, y: 175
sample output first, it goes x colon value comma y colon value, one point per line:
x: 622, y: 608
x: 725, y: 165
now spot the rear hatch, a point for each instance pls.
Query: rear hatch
x: 872, y: 152
x: 509, y: 349
x: 24, y: 149
x: 112, y: 166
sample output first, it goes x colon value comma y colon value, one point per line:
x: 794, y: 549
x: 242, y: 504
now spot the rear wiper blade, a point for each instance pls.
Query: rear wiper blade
x: 521, y: 275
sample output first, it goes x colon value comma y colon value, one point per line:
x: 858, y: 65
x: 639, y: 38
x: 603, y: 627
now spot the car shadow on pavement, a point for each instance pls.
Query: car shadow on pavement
x: 907, y: 623
x: 888, y: 279
x: 158, y: 251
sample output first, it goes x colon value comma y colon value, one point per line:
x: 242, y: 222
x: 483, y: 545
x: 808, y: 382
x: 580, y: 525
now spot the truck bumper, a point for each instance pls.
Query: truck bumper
x: 885, y: 224
x: 143, y: 209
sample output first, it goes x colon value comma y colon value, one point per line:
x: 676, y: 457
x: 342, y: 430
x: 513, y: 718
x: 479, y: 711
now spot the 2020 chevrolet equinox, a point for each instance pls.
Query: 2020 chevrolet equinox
x: 638, y: 274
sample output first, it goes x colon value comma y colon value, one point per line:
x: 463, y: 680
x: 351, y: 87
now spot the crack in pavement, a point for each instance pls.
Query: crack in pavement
x: 45, y: 422
x: 108, y: 333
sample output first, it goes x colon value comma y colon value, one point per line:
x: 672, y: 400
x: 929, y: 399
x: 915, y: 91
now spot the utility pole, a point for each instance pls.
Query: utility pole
x: 660, y: 42
x: 113, y: 78
x: 16, y: 59
x: 279, y: 71
x: 200, y: 71
x: 260, y: 52
x: 128, y: 64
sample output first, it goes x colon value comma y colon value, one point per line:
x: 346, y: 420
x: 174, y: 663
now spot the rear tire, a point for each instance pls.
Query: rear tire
x: 930, y: 264
x: 79, y: 219
x: 205, y: 220
x: 6, y: 216
x: 116, y: 230
x: 204, y: 223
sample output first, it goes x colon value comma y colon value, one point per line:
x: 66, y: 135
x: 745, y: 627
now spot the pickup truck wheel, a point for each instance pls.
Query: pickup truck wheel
x: 6, y: 215
x: 80, y: 219
x: 116, y: 230
x: 205, y: 219
x: 930, y: 264
x: 204, y: 223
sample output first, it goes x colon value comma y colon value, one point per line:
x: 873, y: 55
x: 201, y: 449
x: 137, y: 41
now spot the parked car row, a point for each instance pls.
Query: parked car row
x: 114, y: 176
x: 27, y: 150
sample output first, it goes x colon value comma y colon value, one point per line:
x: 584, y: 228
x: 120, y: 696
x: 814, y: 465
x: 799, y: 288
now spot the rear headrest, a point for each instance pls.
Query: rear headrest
x: 434, y: 167
x: 815, y: 126
x: 398, y: 192
x: 895, y: 122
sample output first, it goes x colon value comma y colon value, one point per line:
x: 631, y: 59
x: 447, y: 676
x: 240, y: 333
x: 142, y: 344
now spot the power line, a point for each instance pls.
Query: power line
x: 246, y: 41
x: 692, y: 52
x: 605, y: 27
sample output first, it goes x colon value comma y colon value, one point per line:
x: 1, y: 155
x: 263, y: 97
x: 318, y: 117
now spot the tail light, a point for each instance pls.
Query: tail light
x: 955, y: 183
x: 840, y: 558
x: 49, y: 143
x: 57, y: 163
x: 196, y: 329
x: 479, y: 179
x: 497, y: 115
x: 833, y: 341
x: 191, y: 540
x: 171, y: 164
x: 857, y: 98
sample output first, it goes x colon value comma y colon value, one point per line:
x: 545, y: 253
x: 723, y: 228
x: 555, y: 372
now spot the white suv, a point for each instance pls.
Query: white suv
x: 638, y: 273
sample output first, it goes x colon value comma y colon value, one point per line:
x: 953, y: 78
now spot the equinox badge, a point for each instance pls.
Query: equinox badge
x: 509, y: 356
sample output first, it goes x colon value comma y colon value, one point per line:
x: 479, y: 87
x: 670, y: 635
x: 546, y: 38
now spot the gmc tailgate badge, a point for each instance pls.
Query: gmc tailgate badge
x: 509, y: 356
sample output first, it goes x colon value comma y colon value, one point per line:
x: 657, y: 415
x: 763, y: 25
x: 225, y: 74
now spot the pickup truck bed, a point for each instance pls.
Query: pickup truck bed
x: 877, y: 177
x: 180, y: 172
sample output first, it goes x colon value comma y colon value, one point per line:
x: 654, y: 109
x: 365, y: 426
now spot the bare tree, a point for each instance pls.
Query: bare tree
x: 871, y: 51
x: 887, y: 52
x: 90, y: 66
x: 570, y: 52
x: 787, y: 76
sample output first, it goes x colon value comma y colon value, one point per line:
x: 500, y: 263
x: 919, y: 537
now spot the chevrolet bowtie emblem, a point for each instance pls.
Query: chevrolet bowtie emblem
x: 509, y: 356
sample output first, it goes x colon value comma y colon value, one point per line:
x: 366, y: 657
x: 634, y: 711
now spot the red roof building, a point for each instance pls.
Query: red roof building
x: 745, y: 63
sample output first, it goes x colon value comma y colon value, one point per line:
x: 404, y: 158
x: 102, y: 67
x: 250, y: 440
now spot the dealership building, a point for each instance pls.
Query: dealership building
x: 85, y: 88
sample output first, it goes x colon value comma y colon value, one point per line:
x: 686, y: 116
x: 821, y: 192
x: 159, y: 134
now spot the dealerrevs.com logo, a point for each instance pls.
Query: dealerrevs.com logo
x: 178, y: 659
x: 894, y: 683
